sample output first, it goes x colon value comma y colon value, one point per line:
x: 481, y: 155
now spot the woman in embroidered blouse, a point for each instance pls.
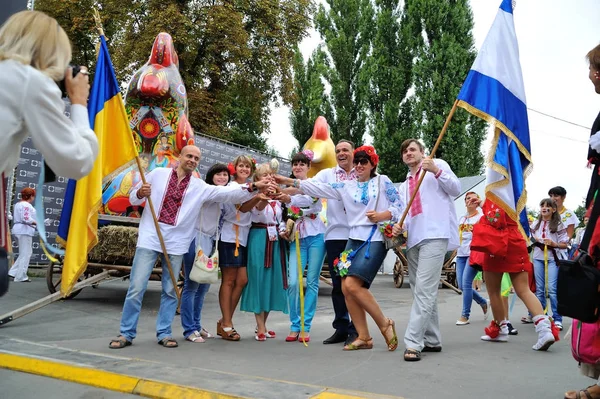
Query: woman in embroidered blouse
x: 232, y: 250
x: 368, y: 201
x: 465, y: 274
x: 267, y: 255
x: 304, y: 210
x: 549, y: 232
x: 24, y: 230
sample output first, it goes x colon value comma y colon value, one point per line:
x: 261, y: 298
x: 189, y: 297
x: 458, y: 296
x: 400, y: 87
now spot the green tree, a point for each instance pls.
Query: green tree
x: 444, y: 53
x: 390, y: 68
x: 312, y: 101
x: 235, y: 56
x: 347, y: 27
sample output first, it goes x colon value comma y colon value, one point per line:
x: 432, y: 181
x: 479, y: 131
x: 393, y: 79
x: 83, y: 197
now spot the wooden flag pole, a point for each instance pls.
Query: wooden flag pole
x: 432, y: 154
x: 158, y: 232
x: 149, y: 200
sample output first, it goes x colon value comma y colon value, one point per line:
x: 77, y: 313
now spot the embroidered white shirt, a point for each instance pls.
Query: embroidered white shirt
x: 308, y: 226
x: 540, y: 231
x: 24, y: 217
x: 438, y: 219
x: 337, y: 221
x: 271, y: 216
x: 358, y: 198
x: 231, y: 218
x: 465, y: 233
x: 179, y: 236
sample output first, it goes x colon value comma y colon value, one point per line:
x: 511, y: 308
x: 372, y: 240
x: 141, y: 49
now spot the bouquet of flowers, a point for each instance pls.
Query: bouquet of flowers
x: 294, y: 213
x: 342, y: 264
x: 386, y: 228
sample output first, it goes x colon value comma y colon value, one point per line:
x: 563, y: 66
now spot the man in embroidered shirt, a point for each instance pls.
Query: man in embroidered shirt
x: 567, y: 216
x: 432, y: 231
x: 336, y: 237
x: 178, y: 197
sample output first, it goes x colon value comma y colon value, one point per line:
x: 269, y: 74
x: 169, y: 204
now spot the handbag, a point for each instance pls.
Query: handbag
x: 490, y: 235
x: 389, y: 242
x: 578, y: 288
x: 205, y: 269
x: 3, y: 271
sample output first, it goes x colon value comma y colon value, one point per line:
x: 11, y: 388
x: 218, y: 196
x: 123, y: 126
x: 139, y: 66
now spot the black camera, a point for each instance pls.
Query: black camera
x: 61, y: 83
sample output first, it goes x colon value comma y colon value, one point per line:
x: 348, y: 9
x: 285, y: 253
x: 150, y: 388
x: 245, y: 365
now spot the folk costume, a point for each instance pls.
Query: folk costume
x: 234, y: 235
x: 24, y: 230
x: 178, y: 205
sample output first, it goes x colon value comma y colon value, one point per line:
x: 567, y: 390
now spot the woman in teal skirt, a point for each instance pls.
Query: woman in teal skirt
x: 267, y: 252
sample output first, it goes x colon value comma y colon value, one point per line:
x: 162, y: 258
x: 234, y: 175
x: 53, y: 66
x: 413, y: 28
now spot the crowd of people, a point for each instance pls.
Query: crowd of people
x: 257, y: 223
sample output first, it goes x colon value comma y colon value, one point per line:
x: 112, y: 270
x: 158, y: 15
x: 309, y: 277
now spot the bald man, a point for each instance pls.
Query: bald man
x: 177, y: 197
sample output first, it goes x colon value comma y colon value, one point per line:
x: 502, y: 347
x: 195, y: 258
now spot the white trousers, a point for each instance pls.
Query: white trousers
x: 19, y: 269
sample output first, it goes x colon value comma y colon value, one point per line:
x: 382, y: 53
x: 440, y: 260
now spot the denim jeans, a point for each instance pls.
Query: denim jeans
x: 540, y: 285
x: 465, y: 275
x: 192, y: 297
x: 143, y: 263
x: 312, y: 253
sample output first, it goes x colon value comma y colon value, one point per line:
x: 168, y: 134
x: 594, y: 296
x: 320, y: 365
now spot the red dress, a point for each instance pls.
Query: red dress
x: 517, y: 257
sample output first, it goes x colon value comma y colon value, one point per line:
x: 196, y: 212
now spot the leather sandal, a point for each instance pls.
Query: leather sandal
x: 360, y: 343
x: 168, y: 342
x: 412, y: 355
x: 392, y: 343
x: 230, y: 335
x: 582, y: 394
x: 120, y: 341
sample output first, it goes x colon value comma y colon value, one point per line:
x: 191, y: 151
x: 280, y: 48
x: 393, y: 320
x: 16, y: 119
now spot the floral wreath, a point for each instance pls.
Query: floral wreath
x: 342, y: 263
x: 309, y: 154
x: 370, y: 150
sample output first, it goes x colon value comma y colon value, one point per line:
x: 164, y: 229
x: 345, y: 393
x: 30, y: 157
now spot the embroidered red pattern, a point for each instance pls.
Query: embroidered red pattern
x: 173, y: 199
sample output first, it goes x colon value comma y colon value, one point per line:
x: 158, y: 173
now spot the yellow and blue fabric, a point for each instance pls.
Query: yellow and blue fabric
x: 78, y: 229
x: 494, y: 91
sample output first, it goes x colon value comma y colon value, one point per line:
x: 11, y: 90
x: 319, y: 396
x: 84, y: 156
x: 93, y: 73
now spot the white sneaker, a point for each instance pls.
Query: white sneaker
x: 486, y: 312
x: 558, y: 325
x: 545, y: 336
x: 502, y: 333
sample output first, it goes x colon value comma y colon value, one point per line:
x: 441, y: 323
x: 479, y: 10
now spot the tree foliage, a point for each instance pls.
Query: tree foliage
x: 347, y: 27
x: 235, y: 56
x: 390, y: 69
x: 444, y: 52
x: 312, y: 100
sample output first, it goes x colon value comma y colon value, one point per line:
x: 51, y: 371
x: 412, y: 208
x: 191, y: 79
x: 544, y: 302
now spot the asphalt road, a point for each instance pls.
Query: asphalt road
x: 467, y: 367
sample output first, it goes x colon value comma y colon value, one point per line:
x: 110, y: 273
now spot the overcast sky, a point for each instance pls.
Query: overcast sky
x: 554, y: 37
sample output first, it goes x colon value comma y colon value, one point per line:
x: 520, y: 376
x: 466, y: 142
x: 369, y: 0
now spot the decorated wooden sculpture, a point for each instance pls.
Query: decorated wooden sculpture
x: 322, y: 146
x: 156, y: 104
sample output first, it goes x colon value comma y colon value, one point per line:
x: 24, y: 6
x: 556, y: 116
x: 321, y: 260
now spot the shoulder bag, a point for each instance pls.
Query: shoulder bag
x: 206, y: 268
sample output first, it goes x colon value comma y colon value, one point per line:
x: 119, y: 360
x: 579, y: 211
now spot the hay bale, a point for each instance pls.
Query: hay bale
x: 116, y: 245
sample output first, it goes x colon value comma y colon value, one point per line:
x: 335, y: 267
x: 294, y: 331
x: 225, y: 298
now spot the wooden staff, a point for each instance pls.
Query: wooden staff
x: 149, y: 200
x: 432, y: 154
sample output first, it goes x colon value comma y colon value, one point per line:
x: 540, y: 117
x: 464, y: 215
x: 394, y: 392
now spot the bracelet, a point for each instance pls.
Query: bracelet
x: 296, y: 183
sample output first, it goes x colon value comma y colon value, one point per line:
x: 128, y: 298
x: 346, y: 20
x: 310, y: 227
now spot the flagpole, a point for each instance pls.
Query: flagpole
x: 149, y: 200
x: 432, y: 154
x: 158, y: 232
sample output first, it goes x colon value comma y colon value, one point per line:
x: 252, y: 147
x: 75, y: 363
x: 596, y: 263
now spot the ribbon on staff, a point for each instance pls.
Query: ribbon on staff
x: 300, y: 286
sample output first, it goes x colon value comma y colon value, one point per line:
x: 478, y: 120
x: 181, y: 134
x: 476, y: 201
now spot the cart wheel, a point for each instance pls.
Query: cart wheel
x: 54, y: 278
x: 451, y: 275
x: 179, y: 288
x: 398, y: 273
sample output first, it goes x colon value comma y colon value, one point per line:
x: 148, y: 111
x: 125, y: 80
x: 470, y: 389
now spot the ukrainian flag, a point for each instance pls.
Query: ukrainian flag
x: 78, y: 229
x: 494, y: 91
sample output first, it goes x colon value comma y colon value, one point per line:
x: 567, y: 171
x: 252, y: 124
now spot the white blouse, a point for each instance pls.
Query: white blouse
x: 271, y: 215
x: 310, y: 223
x: 541, y: 231
x: 232, y: 218
x: 24, y: 219
x: 358, y: 198
x: 31, y: 105
x: 465, y: 233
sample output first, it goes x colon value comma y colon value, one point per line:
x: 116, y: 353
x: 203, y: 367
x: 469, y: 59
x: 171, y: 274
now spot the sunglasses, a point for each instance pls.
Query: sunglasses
x: 362, y: 161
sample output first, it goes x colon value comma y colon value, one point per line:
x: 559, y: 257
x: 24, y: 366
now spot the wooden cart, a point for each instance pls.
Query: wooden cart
x: 447, y: 278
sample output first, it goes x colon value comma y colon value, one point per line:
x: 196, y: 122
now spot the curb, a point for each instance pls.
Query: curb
x: 84, y: 374
x: 107, y: 380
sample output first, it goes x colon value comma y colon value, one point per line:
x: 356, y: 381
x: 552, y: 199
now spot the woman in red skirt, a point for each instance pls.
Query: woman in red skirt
x: 516, y: 262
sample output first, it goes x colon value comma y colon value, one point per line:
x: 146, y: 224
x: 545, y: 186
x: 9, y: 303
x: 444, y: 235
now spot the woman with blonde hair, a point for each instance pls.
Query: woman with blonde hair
x: 34, y: 54
x: 232, y: 249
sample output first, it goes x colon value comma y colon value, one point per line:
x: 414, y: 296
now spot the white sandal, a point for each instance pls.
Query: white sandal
x: 205, y: 334
x: 195, y: 337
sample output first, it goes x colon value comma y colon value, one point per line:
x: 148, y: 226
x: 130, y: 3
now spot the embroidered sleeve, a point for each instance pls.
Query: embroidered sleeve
x: 322, y: 190
x: 396, y: 206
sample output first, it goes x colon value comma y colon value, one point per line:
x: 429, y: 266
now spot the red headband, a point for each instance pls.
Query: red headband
x: 370, y: 150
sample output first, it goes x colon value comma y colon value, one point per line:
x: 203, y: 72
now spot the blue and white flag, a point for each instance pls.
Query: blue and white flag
x: 494, y: 91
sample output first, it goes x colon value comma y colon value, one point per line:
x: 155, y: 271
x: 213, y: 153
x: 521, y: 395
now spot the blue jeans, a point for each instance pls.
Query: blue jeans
x: 192, y: 297
x: 465, y: 275
x: 143, y: 263
x: 540, y: 285
x: 312, y: 253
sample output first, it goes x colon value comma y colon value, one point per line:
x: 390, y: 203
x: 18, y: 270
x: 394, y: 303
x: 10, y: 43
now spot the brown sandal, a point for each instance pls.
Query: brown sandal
x: 581, y: 394
x: 230, y: 335
x: 392, y: 343
x: 360, y: 343
x: 120, y: 341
